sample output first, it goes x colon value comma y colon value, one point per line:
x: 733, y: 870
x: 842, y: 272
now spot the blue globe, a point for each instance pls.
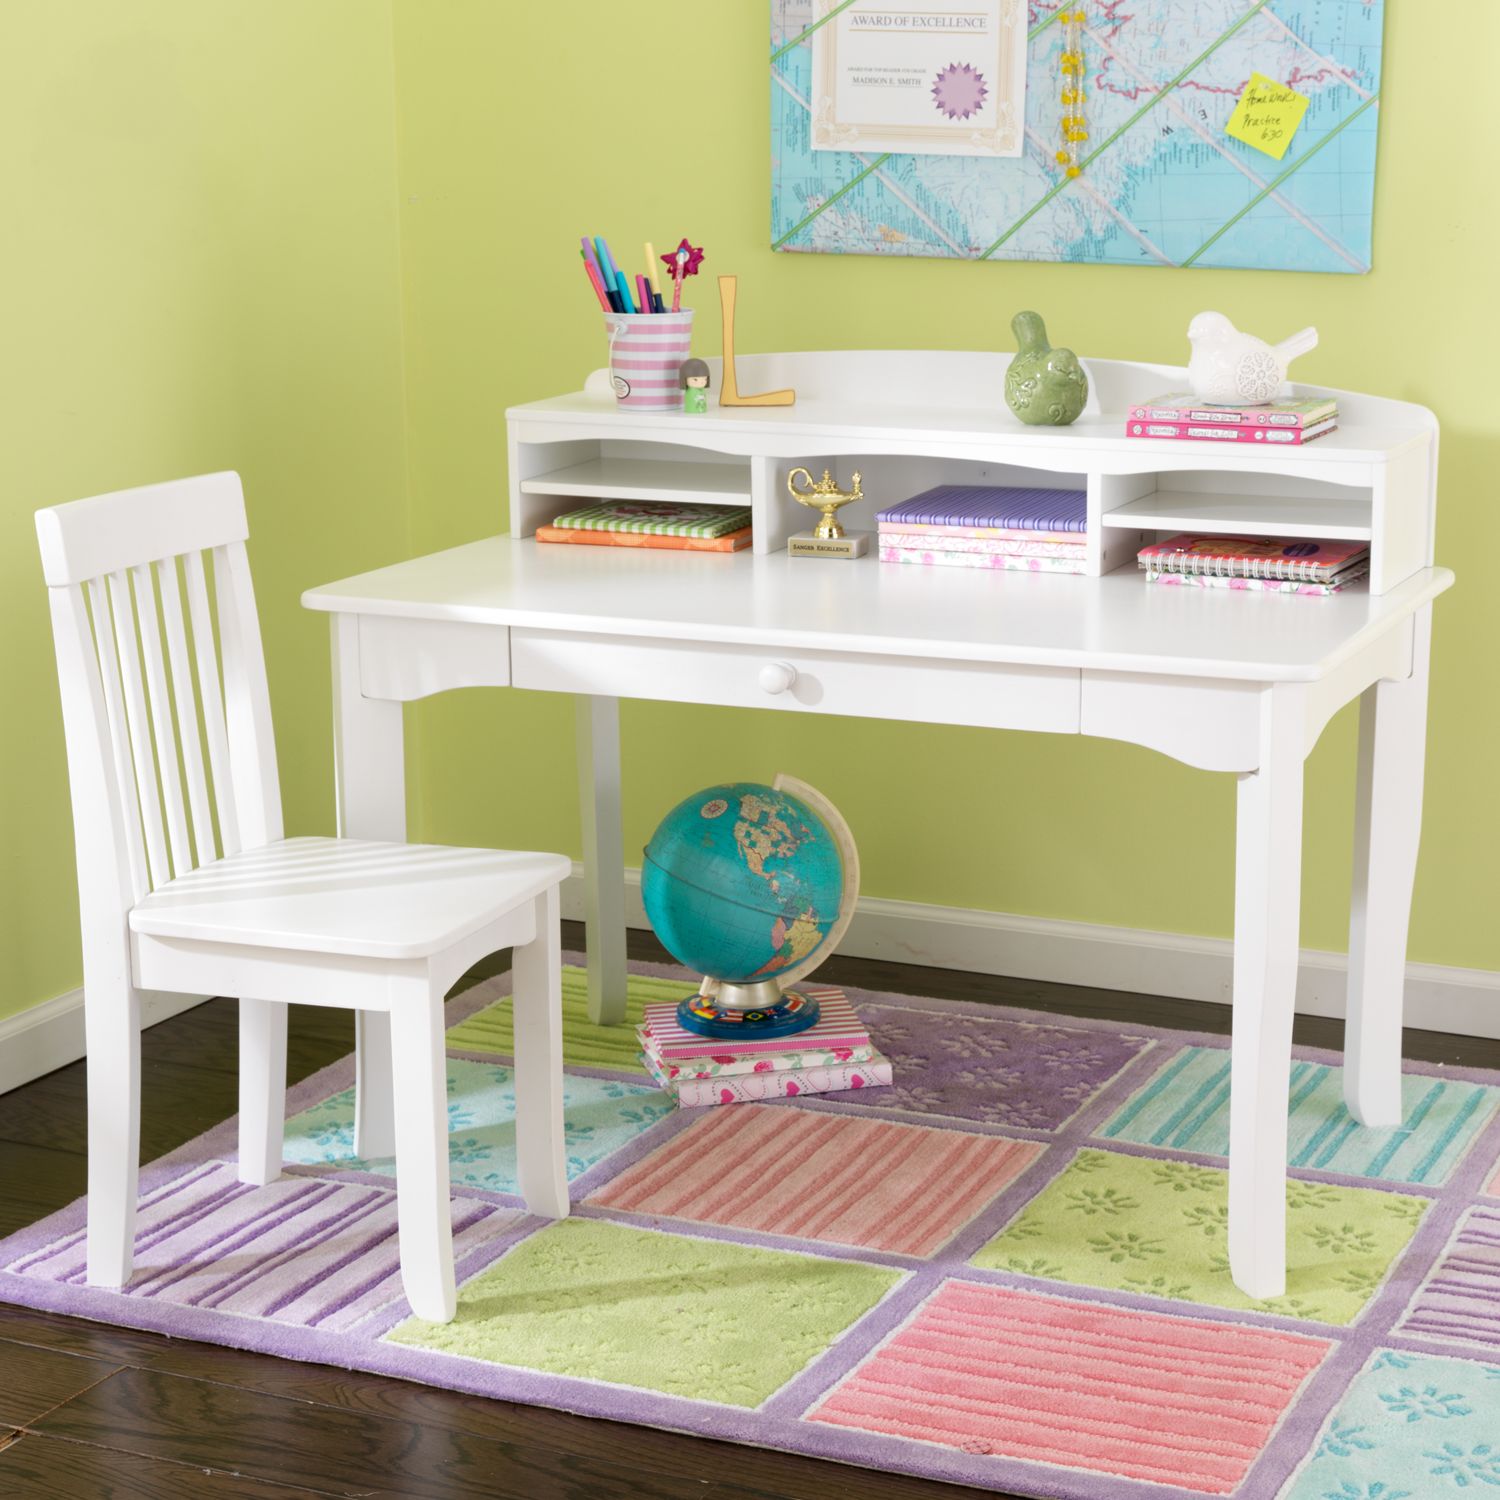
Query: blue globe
x: 742, y: 882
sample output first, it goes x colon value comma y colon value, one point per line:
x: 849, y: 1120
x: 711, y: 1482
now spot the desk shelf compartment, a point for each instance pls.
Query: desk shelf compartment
x: 563, y: 476
x: 1135, y: 509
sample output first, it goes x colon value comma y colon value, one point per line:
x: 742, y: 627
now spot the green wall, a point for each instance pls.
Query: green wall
x: 520, y: 129
x: 241, y: 233
x: 198, y: 270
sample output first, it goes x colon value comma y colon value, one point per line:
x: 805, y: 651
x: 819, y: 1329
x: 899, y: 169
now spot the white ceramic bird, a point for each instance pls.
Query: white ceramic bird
x: 1230, y: 368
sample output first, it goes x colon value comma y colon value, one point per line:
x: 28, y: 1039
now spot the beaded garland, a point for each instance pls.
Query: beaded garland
x: 1074, y: 123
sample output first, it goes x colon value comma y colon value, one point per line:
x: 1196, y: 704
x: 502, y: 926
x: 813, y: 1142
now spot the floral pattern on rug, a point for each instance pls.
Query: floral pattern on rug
x: 1027, y: 1075
x: 664, y: 1312
x: 600, y: 1116
x: 1159, y: 1228
x: 1185, y: 1107
x: 1410, y: 1427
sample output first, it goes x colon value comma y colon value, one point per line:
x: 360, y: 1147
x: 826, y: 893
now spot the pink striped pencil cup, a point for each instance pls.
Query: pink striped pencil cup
x: 646, y: 351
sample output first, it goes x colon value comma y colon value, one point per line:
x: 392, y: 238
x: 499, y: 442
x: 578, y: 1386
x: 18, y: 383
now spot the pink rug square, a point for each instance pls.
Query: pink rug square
x: 905, y: 1189
x: 1137, y: 1395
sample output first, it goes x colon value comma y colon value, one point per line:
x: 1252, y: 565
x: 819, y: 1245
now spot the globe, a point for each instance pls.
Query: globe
x: 745, y: 882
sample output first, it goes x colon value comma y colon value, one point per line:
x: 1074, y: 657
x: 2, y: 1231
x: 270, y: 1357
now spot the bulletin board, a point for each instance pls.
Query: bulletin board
x: 1168, y: 175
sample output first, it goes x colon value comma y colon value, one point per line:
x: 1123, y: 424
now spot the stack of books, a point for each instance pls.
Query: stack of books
x: 988, y: 526
x: 671, y: 524
x: 833, y: 1055
x: 1277, y: 565
x: 1181, y: 416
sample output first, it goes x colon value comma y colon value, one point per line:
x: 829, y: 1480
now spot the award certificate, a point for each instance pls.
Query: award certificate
x: 921, y: 78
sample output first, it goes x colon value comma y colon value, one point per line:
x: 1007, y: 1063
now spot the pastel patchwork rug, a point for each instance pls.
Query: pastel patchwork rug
x: 1008, y: 1270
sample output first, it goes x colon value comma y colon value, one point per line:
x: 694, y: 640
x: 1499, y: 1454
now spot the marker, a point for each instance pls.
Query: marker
x: 606, y: 264
x: 651, y: 274
x: 626, y: 301
x: 643, y: 291
x: 657, y: 305
x: 597, y: 285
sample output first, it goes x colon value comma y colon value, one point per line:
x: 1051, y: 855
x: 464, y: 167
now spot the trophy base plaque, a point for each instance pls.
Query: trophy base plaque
x: 809, y: 544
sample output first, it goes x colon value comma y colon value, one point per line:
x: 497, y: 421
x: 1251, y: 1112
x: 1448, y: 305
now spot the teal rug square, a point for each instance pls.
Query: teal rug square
x: 600, y: 1116
x: 1410, y: 1427
x: 1185, y: 1107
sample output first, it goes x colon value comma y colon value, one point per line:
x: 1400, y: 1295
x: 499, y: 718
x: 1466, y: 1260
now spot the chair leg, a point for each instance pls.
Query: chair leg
x: 541, y: 1162
x: 262, y: 1089
x: 374, y: 1108
x: 421, y: 1099
x: 112, y: 1024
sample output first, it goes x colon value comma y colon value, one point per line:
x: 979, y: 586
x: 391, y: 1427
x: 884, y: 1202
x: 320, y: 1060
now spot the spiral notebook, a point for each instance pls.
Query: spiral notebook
x: 1283, y: 559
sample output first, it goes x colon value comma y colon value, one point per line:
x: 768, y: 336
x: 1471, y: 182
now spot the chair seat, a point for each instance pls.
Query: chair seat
x: 347, y: 896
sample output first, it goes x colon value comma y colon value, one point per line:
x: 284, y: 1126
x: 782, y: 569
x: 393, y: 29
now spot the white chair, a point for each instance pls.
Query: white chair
x: 317, y: 921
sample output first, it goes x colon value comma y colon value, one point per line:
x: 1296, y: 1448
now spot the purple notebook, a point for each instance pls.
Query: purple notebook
x: 995, y: 506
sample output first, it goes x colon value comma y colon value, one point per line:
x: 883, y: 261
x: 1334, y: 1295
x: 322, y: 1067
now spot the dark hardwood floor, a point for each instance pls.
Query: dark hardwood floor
x: 90, y: 1412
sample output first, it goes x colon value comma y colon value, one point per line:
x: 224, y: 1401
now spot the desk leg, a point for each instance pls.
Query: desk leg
x: 603, y: 856
x: 1387, y: 828
x: 369, y: 777
x: 1267, y: 895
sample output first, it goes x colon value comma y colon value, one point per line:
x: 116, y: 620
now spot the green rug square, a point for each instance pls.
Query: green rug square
x: 701, y: 1318
x: 585, y: 1044
x: 1132, y: 1224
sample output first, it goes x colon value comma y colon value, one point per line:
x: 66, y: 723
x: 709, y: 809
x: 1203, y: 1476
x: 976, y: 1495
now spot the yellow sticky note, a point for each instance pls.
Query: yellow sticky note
x: 1267, y: 115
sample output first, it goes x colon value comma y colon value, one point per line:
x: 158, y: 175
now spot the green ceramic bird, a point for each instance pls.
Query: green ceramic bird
x: 1045, y: 387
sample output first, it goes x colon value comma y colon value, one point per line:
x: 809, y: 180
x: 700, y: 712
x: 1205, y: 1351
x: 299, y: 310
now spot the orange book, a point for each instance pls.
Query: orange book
x: 732, y: 541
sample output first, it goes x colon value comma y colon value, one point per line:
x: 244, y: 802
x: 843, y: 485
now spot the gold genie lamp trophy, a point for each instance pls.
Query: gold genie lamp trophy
x: 828, y: 538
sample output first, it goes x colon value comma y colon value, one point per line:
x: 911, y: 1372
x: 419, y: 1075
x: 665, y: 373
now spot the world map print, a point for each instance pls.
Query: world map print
x: 1162, y: 183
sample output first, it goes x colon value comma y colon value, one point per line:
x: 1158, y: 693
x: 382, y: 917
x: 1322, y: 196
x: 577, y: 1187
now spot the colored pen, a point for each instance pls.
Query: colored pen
x: 625, y: 297
x: 594, y: 282
x: 657, y: 305
x: 606, y: 264
x: 643, y: 291
x: 651, y: 272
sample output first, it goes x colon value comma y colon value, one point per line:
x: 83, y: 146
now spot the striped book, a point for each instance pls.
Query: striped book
x: 657, y: 518
x: 731, y: 541
x: 946, y: 541
x: 1181, y: 406
x: 837, y: 1026
x: 916, y: 529
x: 731, y: 1064
x: 1031, y: 509
x: 1007, y: 562
x: 786, y: 1083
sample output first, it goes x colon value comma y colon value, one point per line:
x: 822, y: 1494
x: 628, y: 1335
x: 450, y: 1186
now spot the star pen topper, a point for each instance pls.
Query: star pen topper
x: 683, y: 261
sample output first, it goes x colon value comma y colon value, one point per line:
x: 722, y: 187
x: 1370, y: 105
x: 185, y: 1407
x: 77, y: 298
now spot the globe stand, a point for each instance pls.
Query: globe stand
x: 747, y: 1011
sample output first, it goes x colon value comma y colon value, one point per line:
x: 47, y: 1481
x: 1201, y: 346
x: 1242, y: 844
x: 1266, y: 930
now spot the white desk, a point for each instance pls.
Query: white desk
x: 1233, y: 682
x: 1226, y: 681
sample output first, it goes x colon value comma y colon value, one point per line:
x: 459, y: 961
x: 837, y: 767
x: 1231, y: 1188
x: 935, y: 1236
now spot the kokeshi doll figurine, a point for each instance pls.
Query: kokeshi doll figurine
x: 695, y: 382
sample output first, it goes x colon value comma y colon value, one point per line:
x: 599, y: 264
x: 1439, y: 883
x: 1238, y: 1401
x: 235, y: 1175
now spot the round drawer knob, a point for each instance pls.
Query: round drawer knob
x: 777, y: 676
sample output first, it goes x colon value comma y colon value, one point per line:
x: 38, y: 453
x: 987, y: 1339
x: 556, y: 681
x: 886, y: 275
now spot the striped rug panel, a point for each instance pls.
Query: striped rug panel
x: 1137, y: 1395
x: 1461, y: 1299
x: 906, y: 1189
x: 299, y: 1250
x: 1494, y: 1188
x: 585, y: 1044
x: 1186, y: 1108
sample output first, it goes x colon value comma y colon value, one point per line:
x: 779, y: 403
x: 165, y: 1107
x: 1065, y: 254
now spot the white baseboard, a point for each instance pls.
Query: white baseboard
x: 50, y: 1035
x: 1438, y: 998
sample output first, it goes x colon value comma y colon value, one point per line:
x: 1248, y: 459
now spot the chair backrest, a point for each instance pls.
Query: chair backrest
x: 138, y: 718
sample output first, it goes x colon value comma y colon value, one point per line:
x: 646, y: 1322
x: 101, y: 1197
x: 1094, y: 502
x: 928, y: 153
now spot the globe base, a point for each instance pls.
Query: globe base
x: 708, y: 1015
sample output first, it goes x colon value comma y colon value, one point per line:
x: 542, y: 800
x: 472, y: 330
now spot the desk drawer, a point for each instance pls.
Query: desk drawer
x: 873, y: 687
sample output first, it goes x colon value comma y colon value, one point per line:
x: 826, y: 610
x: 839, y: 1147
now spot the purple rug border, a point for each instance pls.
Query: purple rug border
x: 1351, y: 1347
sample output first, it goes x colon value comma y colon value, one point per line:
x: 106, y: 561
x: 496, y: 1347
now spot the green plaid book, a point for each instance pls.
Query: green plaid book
x: 658, y: 518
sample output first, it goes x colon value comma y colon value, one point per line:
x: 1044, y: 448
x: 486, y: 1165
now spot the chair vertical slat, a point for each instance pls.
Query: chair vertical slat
x: 161, y: 720
x: 140, y: 732
x: 187, y: 710
x: 213, y: 701
x: 247, y: 700
x: 114, y: 713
